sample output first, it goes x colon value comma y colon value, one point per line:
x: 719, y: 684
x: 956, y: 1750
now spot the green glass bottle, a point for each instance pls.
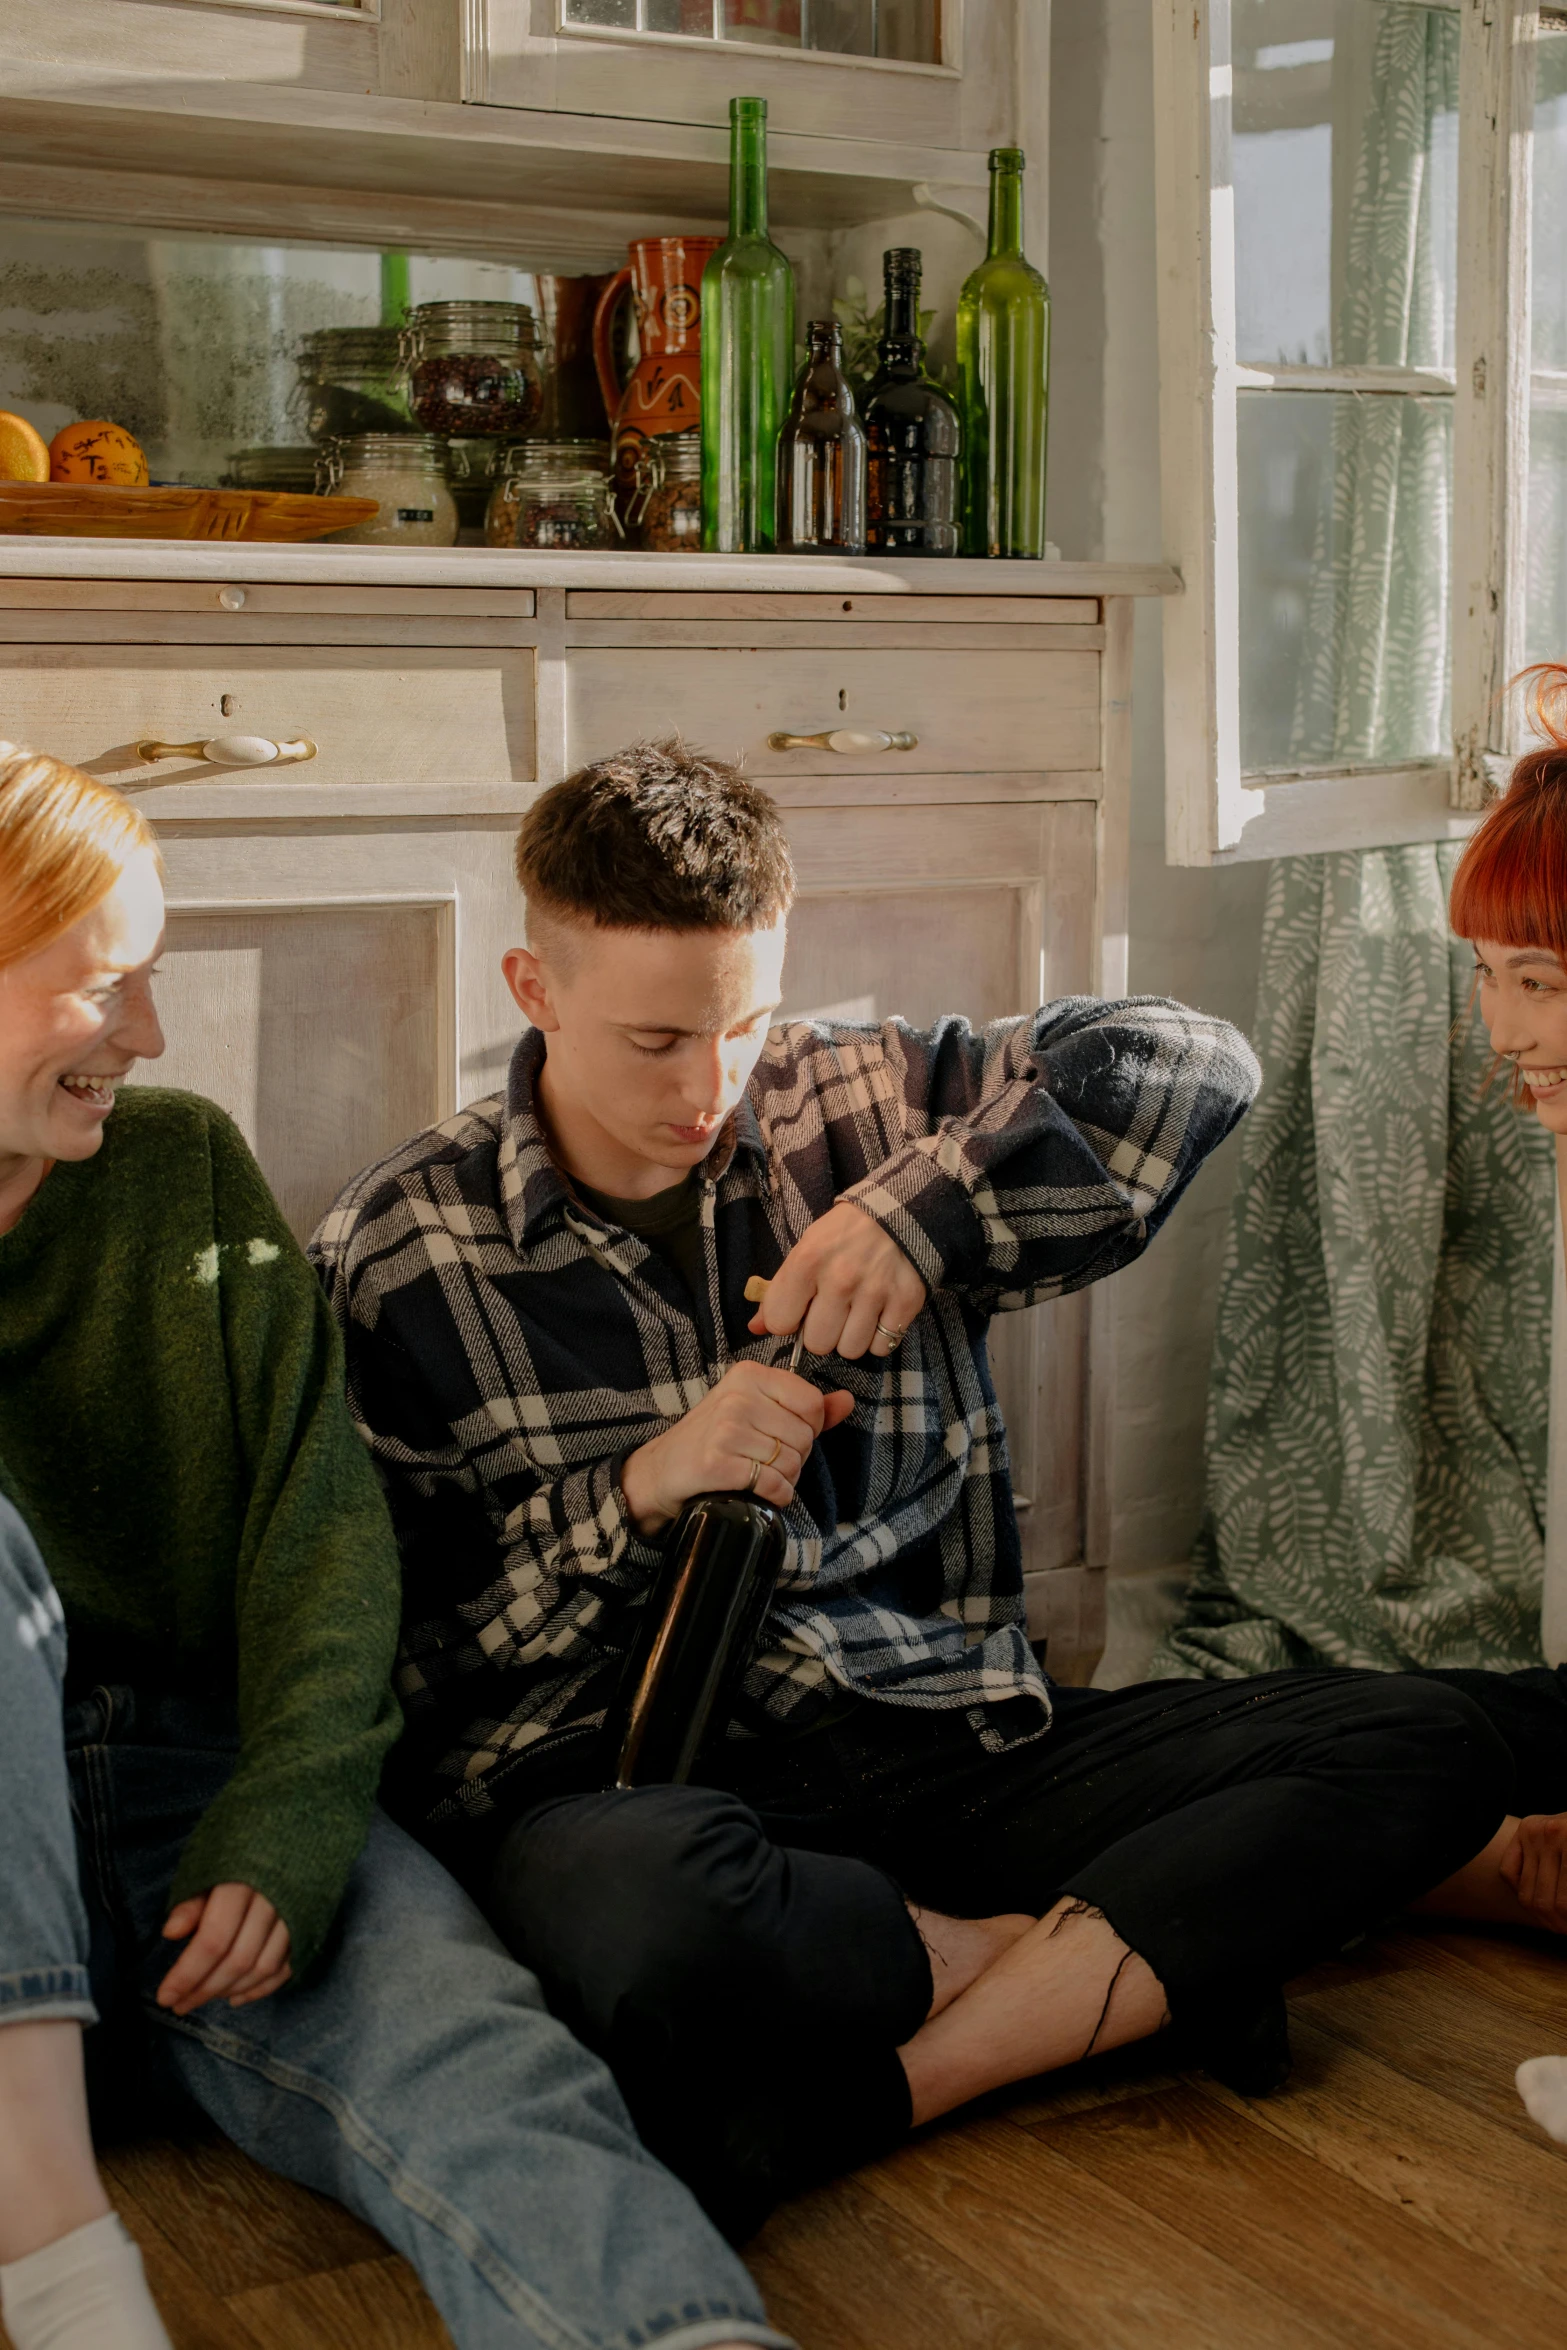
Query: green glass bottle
x: 1004, y: 380
x: 747, y: 353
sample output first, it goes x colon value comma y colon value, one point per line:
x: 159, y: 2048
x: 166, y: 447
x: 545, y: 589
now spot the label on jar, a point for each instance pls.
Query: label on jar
x: 416, y: 513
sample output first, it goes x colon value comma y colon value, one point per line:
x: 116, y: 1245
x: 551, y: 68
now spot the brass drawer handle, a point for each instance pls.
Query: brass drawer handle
x: 850, y: 741
x: 233, y: 750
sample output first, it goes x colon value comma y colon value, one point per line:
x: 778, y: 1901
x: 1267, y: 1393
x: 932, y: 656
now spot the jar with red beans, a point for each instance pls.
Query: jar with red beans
x: 473, y: 369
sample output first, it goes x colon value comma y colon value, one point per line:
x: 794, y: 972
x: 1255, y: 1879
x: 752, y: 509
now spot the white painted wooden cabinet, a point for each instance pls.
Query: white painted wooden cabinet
x: 337, y: 924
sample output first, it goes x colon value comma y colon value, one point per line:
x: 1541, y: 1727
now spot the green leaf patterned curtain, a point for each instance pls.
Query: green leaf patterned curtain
x: 1374, y: 676
x: 1378, y: 1398
x: 1377, y: 1408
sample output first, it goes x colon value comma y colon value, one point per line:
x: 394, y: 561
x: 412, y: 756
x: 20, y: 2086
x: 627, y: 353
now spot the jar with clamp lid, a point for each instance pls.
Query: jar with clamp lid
x: 351, y: 380
x: 666, y: 514
x: 553, y: 494
x: 406, y: 474
x: 473, y: 369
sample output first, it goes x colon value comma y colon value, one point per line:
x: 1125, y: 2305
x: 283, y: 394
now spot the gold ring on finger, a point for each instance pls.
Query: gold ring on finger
x: 773, y: 1455
x: 894, y: 1338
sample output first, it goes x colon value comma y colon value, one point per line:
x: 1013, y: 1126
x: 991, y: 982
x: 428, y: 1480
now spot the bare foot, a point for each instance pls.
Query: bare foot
x: 960, y: 1949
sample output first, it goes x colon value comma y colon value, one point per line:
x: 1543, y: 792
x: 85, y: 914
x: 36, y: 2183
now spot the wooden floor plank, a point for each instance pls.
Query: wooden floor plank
x: 1394, y: 2196
x: 1464, y: 2045
x: 254, y: 2228
x: 1515, y: 1971
x: 1370, y: 2277
x: 839, y: 2271
x: 379, y: 2302
x: 1498, y: 2196
x: 1107, y: 2274
x: 197, y: 2318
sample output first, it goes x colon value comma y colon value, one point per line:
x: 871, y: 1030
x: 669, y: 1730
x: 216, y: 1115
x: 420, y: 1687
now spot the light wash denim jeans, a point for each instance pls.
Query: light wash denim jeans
x: 415, y: 2073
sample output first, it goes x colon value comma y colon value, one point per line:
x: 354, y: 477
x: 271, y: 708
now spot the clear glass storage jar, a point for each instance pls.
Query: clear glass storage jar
x: 473, y: 369
x: 666, y: 513
x: 406, y: 473
x: 471, y: 468
x: 552, y: 494
x: 292, y: 469
x: 352, y: 380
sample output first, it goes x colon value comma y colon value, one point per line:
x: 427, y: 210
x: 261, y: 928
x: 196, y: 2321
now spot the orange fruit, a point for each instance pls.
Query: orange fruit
x: 24, y: 455
x: 97, y: 452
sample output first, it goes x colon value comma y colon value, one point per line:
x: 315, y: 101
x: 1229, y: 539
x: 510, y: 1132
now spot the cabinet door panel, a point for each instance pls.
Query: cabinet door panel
x: 336, y: 988
x: 1013, y: 927
x: 317, y: 1028
x: 969, y: 711
x: 385, y: 714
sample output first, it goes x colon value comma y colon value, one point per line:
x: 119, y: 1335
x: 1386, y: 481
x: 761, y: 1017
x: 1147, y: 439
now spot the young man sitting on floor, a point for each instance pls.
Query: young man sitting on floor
x: 918, y: 1872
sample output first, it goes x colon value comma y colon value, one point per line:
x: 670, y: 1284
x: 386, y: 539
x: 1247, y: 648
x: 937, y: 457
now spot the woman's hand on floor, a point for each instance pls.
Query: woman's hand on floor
x: 1535, y: 1865
x: 237, y: 1950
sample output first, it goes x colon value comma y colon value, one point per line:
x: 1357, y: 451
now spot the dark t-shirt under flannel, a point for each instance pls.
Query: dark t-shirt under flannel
x: 508, y: 1348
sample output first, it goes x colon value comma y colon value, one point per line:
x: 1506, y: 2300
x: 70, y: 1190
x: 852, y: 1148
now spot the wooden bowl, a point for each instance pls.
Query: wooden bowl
x: 97, y: 510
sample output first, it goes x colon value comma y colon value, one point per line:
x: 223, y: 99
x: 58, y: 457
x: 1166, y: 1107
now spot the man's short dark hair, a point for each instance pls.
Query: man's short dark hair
x: 657, y: 837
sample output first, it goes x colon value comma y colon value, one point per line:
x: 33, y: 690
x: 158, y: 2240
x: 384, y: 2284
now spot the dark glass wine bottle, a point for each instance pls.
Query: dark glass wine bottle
x: 912, y: 434
x: 1004, y: 370
x: 821, y: 455
x: 700, y: 1625
x: 747, y: 352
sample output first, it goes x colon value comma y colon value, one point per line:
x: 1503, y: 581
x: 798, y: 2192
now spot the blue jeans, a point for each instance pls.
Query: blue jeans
x: 415, y: 2073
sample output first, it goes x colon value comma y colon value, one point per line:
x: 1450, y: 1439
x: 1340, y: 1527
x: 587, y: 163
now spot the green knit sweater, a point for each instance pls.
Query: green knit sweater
x: 173, y: 1429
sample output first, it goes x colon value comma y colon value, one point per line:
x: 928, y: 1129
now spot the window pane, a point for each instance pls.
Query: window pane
x: 694, y: 17
x: 846, y: 28
x: 774, y: 24
x: 906, y: 29
x: 1345, y: 503
x: 1545, y: 620
x: 1346, y: 176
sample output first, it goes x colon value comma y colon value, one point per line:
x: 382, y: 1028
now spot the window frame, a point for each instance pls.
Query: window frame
x: 1214, y: 811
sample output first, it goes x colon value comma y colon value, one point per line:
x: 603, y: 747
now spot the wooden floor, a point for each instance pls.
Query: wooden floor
x: 1395, y: 2196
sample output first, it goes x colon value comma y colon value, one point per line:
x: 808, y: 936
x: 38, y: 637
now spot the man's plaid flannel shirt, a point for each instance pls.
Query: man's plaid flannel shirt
x: 507, y: 1350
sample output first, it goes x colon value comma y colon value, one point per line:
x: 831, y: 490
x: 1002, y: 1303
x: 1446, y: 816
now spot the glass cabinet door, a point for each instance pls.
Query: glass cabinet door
x: 931, y: 72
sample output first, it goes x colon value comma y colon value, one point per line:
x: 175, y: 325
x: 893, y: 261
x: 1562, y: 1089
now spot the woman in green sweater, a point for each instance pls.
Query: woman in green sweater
x: 198, y: 1613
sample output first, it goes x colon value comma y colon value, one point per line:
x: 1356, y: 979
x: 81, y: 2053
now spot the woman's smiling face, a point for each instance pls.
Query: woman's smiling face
x: 1523, y: 1002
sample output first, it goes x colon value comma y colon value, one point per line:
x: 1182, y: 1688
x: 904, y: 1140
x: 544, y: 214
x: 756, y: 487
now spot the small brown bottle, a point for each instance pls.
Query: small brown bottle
x: 821, y: 456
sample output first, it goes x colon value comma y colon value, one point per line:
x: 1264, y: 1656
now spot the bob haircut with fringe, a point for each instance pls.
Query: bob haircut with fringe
x: 1511, y: 883
x: 65, y: 839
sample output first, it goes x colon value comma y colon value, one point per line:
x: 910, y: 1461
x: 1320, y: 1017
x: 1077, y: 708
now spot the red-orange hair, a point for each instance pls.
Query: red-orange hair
x: 65, y: 839
x: 1511, y: 883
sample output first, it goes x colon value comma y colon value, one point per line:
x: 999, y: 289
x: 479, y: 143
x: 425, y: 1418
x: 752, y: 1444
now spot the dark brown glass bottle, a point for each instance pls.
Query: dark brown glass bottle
x: 700, y: 1625
x: 912, y: 432
x: 821, y: 456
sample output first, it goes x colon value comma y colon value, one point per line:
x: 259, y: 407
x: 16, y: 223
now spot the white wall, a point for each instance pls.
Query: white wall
x: 1193, y: 934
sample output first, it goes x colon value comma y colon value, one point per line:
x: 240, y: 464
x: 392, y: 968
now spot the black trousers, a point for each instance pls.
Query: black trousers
x: 743, y: 1956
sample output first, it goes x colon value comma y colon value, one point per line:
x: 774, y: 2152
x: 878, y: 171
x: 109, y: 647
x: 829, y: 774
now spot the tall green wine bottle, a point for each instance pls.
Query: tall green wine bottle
x: 747, y: 352
x: 1004, y: 372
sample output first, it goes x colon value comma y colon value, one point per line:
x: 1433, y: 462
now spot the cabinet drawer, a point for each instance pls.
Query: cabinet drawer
x: 968, y: 711
x: 377, y: 715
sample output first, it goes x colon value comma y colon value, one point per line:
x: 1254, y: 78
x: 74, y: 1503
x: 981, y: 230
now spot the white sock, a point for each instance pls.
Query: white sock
x: 85, y: 2291
x: 1542, y: 2084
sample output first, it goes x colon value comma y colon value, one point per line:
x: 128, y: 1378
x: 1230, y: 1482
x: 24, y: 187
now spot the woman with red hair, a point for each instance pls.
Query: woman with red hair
x: 1509, y: 899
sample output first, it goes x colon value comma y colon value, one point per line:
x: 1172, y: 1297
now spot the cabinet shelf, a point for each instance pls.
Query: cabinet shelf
x: 481, y: 567
x: 334, y: 165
